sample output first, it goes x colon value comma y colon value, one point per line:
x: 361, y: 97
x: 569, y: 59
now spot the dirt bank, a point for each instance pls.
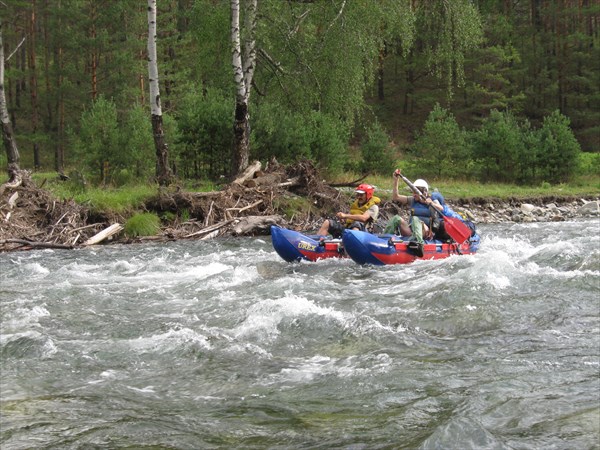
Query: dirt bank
x: 291, y: 196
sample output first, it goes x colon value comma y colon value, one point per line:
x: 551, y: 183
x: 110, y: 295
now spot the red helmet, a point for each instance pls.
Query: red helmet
x: 365, y: 189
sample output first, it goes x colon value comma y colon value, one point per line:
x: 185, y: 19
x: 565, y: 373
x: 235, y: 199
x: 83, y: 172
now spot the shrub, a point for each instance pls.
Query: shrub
x: 205, y: 134
x: 558, y: 149
x: 290, y: 136
x: 377, y: 155
x: 145, y: 224
x: 442, y: 145
x: 137, y: 155
x: 497, y: 147
x: 280, y: 133
x: 98, y: 139
x: 588, y: 164
x: 329, y: 142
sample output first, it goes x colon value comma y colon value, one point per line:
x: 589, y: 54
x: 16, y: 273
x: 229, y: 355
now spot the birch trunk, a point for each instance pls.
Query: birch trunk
x: 163, y: 171
x: 33, y: 87
x: 243, y: 72
x: 10, y: 144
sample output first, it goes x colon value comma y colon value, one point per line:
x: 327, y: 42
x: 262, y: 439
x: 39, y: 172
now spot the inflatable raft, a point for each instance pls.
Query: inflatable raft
x: 294, y: 246
x: 366, y: 248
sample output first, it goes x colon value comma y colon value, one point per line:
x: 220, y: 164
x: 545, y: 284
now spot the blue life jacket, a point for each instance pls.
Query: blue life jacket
x: 421, y: 210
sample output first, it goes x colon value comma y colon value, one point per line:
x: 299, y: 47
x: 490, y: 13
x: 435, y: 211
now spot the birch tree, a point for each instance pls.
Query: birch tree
x: 10, y: 144
x: 243, y: 71
x: 163, y: 171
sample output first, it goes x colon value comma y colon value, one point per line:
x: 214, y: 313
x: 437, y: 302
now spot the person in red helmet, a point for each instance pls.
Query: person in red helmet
x: 363, y: 213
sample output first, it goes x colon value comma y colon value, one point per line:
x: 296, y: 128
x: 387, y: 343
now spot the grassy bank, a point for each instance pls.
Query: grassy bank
x: 452, y: 189
x: 127, y: 200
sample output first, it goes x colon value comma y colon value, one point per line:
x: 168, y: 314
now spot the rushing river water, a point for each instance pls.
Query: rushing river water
x: 221, y: 344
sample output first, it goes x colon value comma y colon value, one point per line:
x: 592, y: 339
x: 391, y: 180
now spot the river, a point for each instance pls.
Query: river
x: 221, y: 344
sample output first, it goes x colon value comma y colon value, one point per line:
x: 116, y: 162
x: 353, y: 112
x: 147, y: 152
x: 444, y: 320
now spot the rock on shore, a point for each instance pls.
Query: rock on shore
x: 532, y: 210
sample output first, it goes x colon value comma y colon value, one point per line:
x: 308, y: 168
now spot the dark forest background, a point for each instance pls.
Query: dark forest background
x: 491, y: 90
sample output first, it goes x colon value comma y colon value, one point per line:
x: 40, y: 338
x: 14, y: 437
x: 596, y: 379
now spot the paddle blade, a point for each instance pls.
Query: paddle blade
x: 456, y: 229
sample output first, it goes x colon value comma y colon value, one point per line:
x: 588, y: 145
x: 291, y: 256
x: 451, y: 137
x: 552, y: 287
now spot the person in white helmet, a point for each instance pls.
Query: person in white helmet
x: 424, y: 221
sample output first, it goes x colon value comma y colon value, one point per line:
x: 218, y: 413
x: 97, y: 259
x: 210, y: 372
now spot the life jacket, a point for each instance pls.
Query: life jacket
x: 428, y: 215
x: 356, y: 209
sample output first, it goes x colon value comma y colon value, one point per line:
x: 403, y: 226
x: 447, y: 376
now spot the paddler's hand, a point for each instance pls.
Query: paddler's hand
x: 397, y: 173
x: 341, y: 215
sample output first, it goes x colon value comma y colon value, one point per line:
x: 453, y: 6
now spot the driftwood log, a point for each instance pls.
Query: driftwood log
x: 104, y: 234
x: 249, y: 224
x: 248, y: 173
x: 30, y: 217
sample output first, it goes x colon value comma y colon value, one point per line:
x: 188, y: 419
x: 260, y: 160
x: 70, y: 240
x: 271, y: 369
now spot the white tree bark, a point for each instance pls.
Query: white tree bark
x: 10, y: 144
x: 163, y: 171
x: 243, y: 72
x: 155, y: 107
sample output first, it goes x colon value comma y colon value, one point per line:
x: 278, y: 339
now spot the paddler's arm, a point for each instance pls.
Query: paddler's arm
x: 402, y: 199
x: 435, y: 204
x: 360, y: 217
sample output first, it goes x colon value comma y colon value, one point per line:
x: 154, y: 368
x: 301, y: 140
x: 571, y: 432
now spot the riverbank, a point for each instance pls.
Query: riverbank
x: 542, y: 209
x: 295, y: 197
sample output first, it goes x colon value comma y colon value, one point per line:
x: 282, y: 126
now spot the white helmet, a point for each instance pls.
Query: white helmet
x: 421, y: 184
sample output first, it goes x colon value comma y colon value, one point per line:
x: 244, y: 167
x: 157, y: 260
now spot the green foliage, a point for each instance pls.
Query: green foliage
x: 491, y: 84
x: 102, y: 199
x: 290, y: 136
x: 442, y: 146
x: 205, y: 134
x: 446, y: 32
x: 329, y: 142
x: 280, y: 133
x: 497, y: 146
x: 210, y: 24
x: 558, y: 149
x: 145, y: 224
x: 377, y: 154
x: 588, y: 164
x: 137, y: 156
x: 98, y: 138
x: 509, y: 151
x: 126, y: 146
x: 293, y: 207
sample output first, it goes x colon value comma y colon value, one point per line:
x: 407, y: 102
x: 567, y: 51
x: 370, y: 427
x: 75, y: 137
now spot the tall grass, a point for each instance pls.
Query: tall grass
x: 588, y: 185
x: 118, y: 200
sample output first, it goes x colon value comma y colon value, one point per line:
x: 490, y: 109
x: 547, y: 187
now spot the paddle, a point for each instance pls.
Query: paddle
x: 455, y: 228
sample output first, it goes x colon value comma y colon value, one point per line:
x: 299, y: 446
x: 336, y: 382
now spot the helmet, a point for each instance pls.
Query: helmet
x: 365, y: 189
x: 421, y: 184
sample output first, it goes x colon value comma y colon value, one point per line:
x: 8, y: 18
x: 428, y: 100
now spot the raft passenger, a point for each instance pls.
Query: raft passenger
x: 363, y: 214
x: 426, y: 215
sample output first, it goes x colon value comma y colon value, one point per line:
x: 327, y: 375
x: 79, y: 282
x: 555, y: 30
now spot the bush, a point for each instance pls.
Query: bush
x: 558, y: 149
x: 329, y: 144
x: 588, y: 164
x: 497, y: 146
x: 145, y: 224
x: 442, y: 146
x: 377, y: 155
x: 290, y: 136
x: 98, y: 138
x: 205, y: 127
x: 137, y: 156
x: 280, y: 133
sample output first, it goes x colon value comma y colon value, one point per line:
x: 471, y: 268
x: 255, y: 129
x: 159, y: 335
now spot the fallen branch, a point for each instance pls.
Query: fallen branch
x: 251, y: 223
x: 245, y: 207
x: 34, y: 243
x: 291, y: 182
x: 211, y: 228
x: 13, y: 200
x: 248, y: 173
x: 104, y: 234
